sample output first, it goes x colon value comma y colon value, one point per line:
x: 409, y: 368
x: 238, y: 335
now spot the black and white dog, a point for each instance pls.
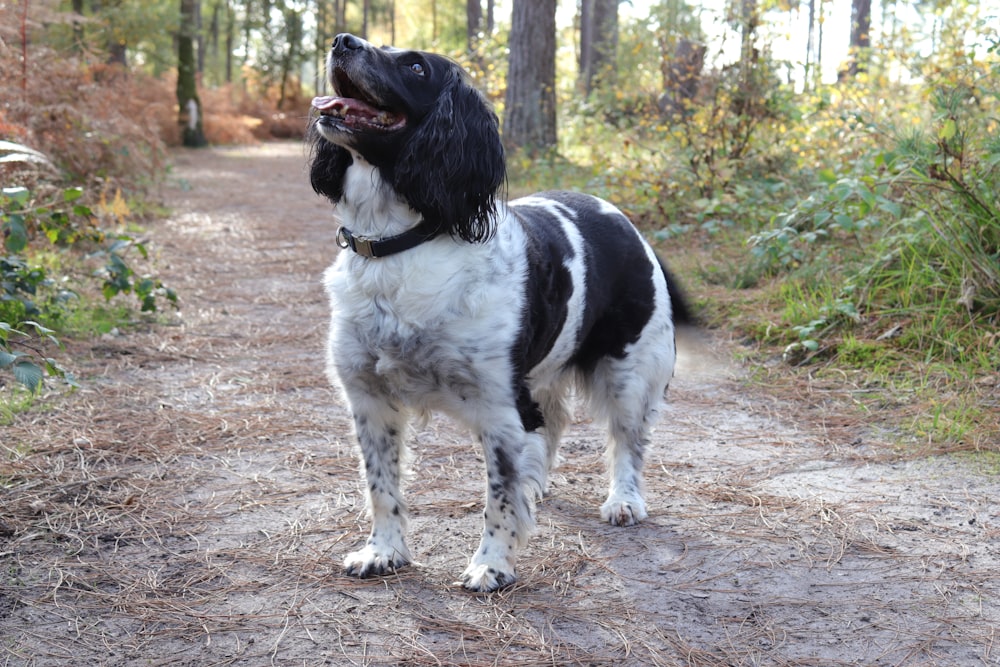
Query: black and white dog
x: 445, y: 298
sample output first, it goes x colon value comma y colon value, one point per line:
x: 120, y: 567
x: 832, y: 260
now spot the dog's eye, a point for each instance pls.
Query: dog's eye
x: 417, y: 69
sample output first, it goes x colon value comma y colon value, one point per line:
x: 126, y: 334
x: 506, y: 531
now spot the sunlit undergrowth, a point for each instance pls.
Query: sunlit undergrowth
x: 852, y: 232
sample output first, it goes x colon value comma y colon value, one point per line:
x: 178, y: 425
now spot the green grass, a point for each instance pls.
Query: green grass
x: 15, y: 400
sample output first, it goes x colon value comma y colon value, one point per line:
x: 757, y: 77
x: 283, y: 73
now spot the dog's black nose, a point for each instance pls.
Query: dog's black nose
x: 345, y: 41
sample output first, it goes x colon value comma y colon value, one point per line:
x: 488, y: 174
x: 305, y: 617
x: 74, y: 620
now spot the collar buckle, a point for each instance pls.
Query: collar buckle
x: 375, y: 248
x: 363, y: 246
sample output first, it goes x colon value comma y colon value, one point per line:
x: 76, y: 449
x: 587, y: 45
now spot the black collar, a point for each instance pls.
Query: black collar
x: 375, y: 248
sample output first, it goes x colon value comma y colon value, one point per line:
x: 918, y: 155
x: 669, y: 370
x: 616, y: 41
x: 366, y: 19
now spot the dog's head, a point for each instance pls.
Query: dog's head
x: 416, y: 118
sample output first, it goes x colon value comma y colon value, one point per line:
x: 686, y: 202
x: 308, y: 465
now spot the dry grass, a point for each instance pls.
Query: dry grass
x: 107, y: 127
x: 191, y: 503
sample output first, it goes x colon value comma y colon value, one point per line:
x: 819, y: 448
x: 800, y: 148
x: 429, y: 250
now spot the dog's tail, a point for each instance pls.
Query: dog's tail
x: 682, y: 312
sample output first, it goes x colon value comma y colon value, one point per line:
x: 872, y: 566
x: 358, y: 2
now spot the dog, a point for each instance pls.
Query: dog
x: 445, y: 298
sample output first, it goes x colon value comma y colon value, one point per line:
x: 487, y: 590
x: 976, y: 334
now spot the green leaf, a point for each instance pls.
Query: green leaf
x: 890, y: 207
x: 7, y: 358
x: 29, y: 374
x: 72, y: 194
x: 16, y: 233
x: 845, y: 222
x: 42, y: 331
x: 948, y: 130
x: 828, y: 176
x: 810, y: 345
x: 18, y: 194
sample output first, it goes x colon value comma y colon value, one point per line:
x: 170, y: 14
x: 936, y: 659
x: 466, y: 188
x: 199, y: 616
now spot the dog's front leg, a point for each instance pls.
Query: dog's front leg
x: 508, y: 515
x: 380, y: 429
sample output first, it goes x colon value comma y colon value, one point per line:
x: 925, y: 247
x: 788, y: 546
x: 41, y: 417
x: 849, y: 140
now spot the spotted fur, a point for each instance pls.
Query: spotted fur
x: 494, y: 320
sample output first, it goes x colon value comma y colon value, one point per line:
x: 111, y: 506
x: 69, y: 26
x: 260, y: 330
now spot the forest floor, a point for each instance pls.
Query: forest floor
x: 192, y: 502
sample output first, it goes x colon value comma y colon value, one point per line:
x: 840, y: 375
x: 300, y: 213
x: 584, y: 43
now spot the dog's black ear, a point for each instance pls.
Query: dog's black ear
x: 453, y: 166
x: 328, y: 165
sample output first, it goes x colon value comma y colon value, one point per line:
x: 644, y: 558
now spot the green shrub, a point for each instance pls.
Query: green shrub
x: 28, y: 295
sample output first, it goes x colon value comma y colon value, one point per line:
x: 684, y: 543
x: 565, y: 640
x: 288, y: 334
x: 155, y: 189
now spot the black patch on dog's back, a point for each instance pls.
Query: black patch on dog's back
x: 619, y: 280
x: 548, y: 287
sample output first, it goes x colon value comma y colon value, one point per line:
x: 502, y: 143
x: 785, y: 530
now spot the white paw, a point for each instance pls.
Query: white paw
x: 623, y: 510
x: 487, y: 577
x: 372, y: 561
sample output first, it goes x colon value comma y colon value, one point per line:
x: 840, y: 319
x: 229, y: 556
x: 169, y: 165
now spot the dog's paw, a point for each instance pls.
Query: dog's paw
x: 487, y: 577
x: 623, y: 511
x: 371, y: 562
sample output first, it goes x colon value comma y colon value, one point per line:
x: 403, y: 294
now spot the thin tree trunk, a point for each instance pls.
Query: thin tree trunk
x: 78, y: 36
x: 810, y: 43
x: 860, y: 46
x: 321, y: 45
x: 819, y: 37
x: 598, y: 42
x: 230, y: 39
x: 586, y: 44
x: 530, y: 102
x: 293, y: 39
x: 199, y: 38
x: 247, y: 27
x: 434, y: 20
x: 473, y: 23
x: 340, y: 7
x: 189, y: 114
x: 749, y: 20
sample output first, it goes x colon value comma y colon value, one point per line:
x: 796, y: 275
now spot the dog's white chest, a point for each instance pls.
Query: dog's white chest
x: 420, y: 332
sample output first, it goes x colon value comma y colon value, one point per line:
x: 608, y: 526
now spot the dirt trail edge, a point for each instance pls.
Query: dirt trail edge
x: 192, y: 503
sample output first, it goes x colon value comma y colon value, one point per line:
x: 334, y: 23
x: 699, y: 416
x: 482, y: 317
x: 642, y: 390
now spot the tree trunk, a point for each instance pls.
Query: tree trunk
x: 474, y: 22
x: 860, y: 47
x: 490, y: 16
x: 681, y: 74
x: 530, y: 102
x: 598, y: 42
x: 230, y: 40
x: 247, y: 29
x: 214, y: 30
x: 434, y: 20
x: 189, y: 105
x: 78, y: 35
x: 199, y: 39
x: 749, y: 21
x: 322, y: 44
x: 810, y: 45
x: 340, y: 11
x: 290, y: 59
x: 586, y: 43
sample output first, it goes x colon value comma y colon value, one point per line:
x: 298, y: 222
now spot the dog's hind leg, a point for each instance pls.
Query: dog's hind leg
x: 631, y: 396
x: 555, y: 412
x: 380, y: 428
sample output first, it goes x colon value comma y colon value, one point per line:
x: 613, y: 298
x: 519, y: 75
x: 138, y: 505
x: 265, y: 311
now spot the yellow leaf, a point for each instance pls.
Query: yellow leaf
x: 117, y: 207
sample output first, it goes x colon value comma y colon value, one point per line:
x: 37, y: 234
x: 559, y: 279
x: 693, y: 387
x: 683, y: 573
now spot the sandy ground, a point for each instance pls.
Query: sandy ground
x: 192, y: 503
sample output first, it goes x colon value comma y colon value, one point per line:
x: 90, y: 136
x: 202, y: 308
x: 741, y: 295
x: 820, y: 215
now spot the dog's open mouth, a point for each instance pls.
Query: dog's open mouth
x: 353, y: 110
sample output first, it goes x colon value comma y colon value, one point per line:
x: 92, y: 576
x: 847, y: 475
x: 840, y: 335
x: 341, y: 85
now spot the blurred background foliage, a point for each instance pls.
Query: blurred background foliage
x: 824, y: 175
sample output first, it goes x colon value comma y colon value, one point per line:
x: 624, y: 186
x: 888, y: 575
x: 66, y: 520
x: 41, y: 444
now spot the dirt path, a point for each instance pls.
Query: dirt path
x: 191, y: 505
